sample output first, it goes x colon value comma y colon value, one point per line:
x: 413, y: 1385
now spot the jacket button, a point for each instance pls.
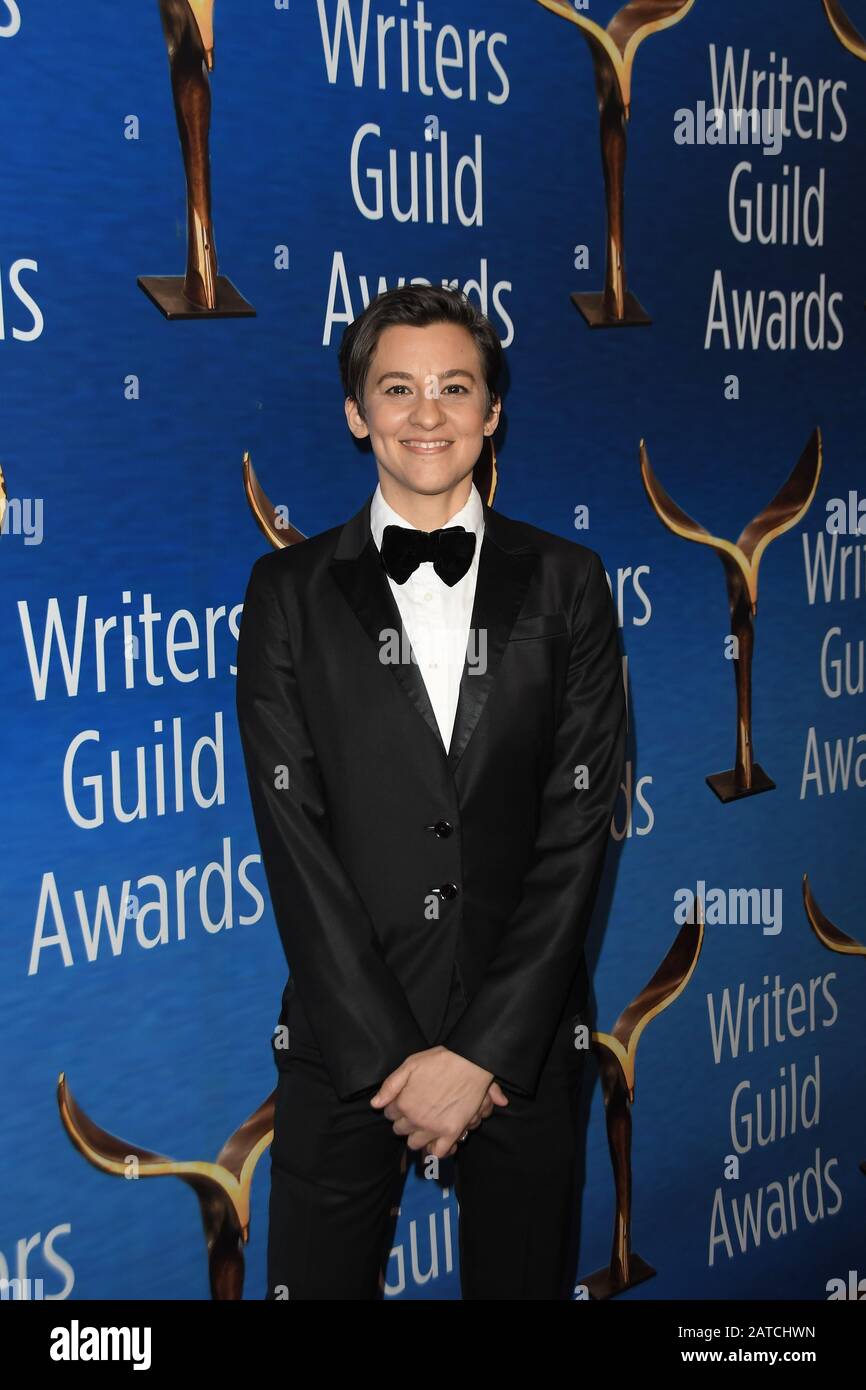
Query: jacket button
x: 443, y: 829
x: 447, y: 891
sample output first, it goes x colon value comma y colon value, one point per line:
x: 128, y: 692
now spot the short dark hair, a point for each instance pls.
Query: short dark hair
x: 419, y: 306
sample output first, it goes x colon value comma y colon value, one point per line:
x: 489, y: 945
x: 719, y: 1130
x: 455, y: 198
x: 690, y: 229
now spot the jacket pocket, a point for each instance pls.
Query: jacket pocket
x: 539, y: 625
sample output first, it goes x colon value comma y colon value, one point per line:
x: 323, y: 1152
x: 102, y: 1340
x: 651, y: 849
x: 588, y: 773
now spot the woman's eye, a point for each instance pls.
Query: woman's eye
x: 454, y: 386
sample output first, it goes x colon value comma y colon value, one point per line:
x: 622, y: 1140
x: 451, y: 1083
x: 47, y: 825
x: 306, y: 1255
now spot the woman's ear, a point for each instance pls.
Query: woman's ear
x: 354, y: 418
x: 493, y: 418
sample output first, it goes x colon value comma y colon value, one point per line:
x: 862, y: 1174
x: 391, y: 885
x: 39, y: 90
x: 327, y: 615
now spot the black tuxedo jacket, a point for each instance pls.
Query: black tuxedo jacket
x: 389, y: 857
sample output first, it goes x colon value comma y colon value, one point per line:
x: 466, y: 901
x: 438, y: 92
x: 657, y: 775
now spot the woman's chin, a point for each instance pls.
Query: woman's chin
x: 430, y: 476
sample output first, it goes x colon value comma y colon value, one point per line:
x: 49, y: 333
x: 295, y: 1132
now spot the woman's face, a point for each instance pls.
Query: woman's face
x: 424, y: 404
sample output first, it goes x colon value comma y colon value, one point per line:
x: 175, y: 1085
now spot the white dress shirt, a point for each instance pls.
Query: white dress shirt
x: 437, y: 617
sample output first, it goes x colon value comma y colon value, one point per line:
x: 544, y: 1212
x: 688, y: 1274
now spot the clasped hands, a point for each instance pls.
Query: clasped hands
x: 435, y: 1096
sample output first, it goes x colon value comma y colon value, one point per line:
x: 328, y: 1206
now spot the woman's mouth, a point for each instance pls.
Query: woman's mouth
x: 427, y: 446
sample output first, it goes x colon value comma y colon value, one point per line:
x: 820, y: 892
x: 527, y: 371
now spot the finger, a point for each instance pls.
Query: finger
x: 451, y: 1151
x: 420, y: 1138
x: 496, y: 1094
x: 402, y: 1126
x: 440, y: 1148
x: 394, y: 1111
x: 484, y: 1109
x: 428, y: 1140
x: 391, y: 1086
x: 432, y: 1139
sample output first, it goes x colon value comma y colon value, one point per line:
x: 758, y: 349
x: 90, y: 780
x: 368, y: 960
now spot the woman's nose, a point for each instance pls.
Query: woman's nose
x: 428, y: 408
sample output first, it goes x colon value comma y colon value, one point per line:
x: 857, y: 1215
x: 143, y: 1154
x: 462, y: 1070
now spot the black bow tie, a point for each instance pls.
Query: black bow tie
x: 451, y: 551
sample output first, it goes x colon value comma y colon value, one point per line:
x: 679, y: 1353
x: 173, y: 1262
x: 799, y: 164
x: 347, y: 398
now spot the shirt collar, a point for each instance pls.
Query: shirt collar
x: 470, y: 516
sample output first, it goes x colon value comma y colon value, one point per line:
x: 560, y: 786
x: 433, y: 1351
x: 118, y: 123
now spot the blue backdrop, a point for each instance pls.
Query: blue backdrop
x: 122, y: 440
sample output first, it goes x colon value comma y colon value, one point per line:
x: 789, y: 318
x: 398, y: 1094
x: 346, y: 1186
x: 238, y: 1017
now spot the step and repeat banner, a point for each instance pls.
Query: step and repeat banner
x: 661, y: 210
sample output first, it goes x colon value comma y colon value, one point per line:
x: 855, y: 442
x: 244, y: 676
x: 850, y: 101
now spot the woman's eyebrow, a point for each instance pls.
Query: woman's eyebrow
x: 407, y: 376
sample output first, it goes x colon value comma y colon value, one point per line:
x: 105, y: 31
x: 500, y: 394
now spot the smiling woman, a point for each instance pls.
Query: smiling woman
x: 435, y: 387
x: 416, y: 306
x: 431, y: 673
x: 421, y: 377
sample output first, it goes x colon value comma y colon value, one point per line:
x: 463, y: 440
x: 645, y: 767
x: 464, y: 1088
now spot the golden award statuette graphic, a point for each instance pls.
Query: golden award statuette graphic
x: 740, y: 560
x: 845, y: 32
x: 830, y: 936
x: 613, y: 52
x: 222, y: 1188
x: 848, y: 36
x: 616, y: 1055
x: 273, y: 521
x: 201, y: 292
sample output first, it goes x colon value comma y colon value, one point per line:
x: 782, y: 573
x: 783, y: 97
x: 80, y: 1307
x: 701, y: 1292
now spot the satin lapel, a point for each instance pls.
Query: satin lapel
x: 366, y: 589
x: 503, y: 578
x: 505, y: 567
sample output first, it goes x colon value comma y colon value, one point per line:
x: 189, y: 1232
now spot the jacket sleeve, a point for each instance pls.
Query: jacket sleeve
x: 509, y: 1023
x: 356, y: 1006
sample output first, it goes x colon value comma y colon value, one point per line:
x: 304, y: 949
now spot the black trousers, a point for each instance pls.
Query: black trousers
x: 336, y: 1176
